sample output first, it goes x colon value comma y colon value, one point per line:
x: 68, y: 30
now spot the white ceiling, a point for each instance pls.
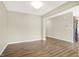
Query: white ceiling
x: 25, y: 6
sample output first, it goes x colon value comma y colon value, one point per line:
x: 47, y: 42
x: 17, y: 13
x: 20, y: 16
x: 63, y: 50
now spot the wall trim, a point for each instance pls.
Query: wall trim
x: 3, y: 49
x: 61, y: 39
x: 18, y: 42
x: 25, y: 41
x: 73, y: 10
x: 61, y: 13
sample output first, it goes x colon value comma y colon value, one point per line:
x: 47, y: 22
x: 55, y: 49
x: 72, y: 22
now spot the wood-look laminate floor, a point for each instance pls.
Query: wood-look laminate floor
x: 48, y: 48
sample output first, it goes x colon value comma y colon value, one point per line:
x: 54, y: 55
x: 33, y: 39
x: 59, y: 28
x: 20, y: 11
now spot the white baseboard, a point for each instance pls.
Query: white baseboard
x: 3, y: 49
x: 61, y: 39
x: 25, y: 41
x: 18, y: 42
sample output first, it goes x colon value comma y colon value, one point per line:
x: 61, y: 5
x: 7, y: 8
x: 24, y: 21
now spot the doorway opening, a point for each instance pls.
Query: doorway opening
x: 76, y: 29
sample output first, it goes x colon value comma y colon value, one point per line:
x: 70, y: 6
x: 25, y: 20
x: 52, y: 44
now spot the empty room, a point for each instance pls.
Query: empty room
x: 39, y: 28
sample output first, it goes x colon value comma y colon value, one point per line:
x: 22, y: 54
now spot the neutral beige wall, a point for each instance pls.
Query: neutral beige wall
x: 3, y: 27
x: 23, y: 27
x: 61, y: 27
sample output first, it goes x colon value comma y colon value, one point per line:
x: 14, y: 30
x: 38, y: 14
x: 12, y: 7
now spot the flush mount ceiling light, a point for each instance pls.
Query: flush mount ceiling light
x: 37, y: 4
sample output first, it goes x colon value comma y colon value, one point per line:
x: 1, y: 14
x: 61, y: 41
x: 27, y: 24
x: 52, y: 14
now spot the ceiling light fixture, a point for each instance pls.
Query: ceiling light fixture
x: 37, y: 4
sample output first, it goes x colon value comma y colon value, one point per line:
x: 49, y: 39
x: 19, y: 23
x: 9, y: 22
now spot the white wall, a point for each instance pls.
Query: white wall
x: 18, y: 27
x: 23, y: 27
x: 61, y: 27
x: 3, y: 27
